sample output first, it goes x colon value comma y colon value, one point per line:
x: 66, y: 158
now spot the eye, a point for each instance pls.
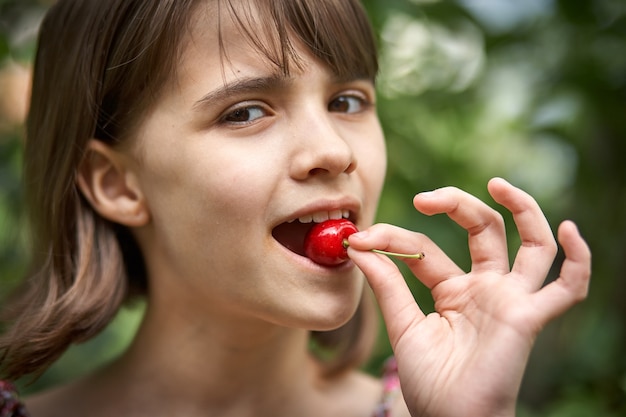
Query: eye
x: 244, y: 114
x: 347, y: 104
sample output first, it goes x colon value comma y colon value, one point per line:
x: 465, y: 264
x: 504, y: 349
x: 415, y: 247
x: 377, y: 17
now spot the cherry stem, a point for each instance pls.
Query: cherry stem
x: 419, y: 255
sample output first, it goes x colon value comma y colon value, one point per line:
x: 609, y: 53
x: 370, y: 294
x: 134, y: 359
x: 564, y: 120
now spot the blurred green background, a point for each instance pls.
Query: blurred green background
x: 533, y: 91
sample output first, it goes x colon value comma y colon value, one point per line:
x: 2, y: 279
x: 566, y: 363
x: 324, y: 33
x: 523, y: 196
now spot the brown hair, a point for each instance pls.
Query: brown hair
x: 98, y: 66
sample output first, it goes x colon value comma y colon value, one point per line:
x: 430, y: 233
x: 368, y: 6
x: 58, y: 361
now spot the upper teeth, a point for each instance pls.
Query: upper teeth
x: 322, y: 216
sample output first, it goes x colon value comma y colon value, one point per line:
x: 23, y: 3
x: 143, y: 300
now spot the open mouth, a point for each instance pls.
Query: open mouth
x: 291, y: 234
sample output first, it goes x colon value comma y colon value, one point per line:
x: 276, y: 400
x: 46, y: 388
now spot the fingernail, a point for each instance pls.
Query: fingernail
x: 426, y: 194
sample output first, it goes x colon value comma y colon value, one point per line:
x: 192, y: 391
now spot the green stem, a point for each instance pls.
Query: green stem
x: 419, y: 255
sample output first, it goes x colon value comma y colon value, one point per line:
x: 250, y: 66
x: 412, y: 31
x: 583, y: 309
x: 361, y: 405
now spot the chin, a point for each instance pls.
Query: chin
x: 331, y: 314
x: 318, y: 301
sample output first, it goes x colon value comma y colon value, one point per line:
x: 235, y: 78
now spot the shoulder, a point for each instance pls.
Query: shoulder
x: 372, y: 396
x: 49, y: 403
x: 391, y: 402
x: 65, y: 400
x: 399, y: 408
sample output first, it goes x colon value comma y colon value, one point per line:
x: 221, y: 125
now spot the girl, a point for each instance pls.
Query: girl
x: 179, y: 150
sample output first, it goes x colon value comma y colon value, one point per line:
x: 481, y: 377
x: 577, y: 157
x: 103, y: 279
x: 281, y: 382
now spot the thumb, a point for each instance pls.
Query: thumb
x: 394, y: 297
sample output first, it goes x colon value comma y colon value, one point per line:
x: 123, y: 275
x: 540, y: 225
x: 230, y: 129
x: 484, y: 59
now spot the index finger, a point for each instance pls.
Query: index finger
x: 432, y: 270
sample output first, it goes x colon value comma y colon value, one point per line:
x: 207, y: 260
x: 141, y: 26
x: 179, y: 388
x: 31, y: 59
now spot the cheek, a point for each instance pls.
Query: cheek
x: 201, y: 193
x: 217, y: 180
x: 373, y: 165
x: 205, y: 212
x: 236, y: 187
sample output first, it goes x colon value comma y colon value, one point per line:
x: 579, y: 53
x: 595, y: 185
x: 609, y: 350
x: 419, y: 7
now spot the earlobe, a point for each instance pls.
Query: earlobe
x: 111, y: 187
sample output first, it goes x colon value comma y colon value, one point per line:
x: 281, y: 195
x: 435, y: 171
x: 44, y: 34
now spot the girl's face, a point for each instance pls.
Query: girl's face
x: 231, y: 157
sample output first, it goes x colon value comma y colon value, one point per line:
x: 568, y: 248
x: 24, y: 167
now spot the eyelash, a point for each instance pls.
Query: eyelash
x: 233, y: 116
x: 246, y: 109
x: 363, y: 102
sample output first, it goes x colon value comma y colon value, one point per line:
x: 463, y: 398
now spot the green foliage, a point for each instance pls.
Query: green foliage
x: 533, y: 91
x: 535, y: 94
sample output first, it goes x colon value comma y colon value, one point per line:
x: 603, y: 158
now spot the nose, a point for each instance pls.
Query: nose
x: 321, y: 151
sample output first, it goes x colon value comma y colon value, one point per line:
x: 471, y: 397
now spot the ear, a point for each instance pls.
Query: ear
x: 107, y: 181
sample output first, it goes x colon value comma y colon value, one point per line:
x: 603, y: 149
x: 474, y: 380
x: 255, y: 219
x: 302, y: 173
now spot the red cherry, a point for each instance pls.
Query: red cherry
x: 325, y: 242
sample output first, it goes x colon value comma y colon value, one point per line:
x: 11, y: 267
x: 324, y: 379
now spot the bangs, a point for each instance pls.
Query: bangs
x: 337, y: 32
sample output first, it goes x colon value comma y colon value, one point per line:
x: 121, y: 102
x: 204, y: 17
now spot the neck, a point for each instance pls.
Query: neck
x: 226, y: 366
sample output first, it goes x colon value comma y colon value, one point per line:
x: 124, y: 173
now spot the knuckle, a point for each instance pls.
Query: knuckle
x: 551, y: 246
x: 489, y: 219
x: 581, y: 293
x: 496, y: 217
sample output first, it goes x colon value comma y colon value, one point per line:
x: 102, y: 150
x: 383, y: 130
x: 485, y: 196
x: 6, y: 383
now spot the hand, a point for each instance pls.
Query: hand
x: 468, y: 357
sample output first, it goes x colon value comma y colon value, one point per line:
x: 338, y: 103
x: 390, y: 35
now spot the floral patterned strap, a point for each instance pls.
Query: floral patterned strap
x: 391, y: 388
x: 10, y: 405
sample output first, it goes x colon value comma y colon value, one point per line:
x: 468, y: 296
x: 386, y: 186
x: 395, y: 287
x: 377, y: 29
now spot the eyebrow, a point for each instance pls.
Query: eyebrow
x: 242, y: 86
x: 249, y: 85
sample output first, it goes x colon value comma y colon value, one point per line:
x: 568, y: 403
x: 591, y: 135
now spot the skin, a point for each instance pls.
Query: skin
x: 229, y: 309
x: 474, y: 348
x: 202, y: 185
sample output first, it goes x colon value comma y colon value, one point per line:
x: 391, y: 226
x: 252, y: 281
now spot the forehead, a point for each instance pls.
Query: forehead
x: 218, y: 47
x: 225, y: 40
x: 224, y: 29
x: 336, y: 32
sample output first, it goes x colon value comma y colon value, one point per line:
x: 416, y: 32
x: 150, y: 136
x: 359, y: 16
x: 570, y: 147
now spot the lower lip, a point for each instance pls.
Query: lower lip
x: 303, y: 260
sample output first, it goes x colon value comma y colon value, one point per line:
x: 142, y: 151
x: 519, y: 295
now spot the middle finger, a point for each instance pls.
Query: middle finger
x: 484, y: 225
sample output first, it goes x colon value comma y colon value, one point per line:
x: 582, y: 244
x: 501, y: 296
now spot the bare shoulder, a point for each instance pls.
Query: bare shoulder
x: 75, y: 398
x: 54, y: 402
x: 354, y: 394
x: 364, y: 395
x: 399, y: 407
